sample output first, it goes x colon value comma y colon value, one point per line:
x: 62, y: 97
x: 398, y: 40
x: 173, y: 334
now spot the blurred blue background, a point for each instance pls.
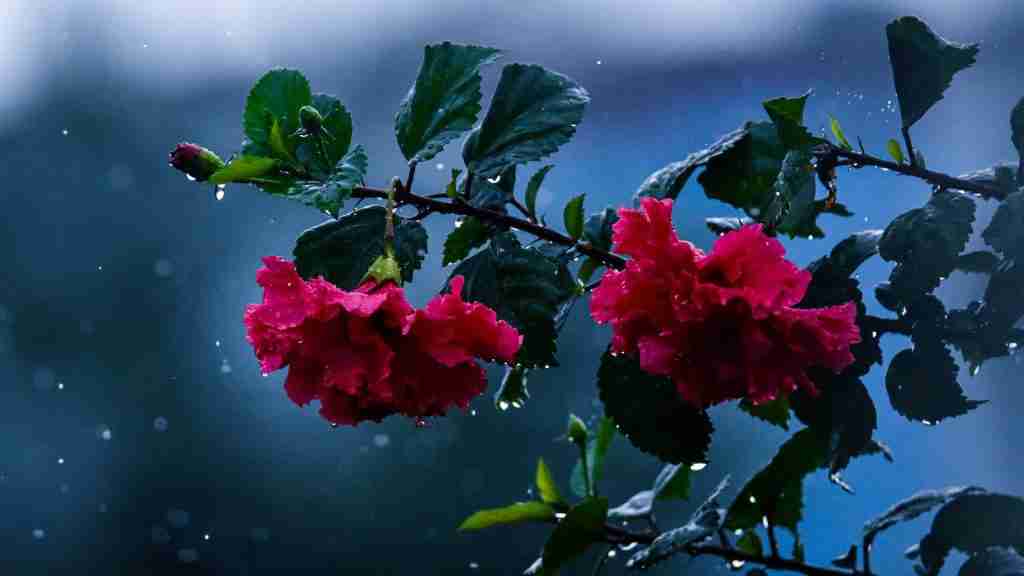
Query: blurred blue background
x: 137, y: 436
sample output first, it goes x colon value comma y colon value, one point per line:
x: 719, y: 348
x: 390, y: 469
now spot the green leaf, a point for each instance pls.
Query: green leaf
x: 788, y: 116
x: 582, y: 526
x: 649, y: 411
x: 598, y: 228
x: 638, y: 506
x: 469, y: 233
x: 512, y: 391
x: 338, y: 124
x: 724, y: 225
x: 533, y: 112
x: 342, y: 250
x: 573, y: 217
x: 973, y: 523
x: 775, y: 412
x: 673, y: 482
x: 452, y: 191
x: 843, y: 412
x: 577, y: 431
x: 1017, y: 130
x: 546, y: 484
x: 743, y: 173
x: 513, y: 514
x: 994, y: 562
x: 525, y: 288
x: 279, y: 146
x: 979, y: 262
x: 444, y: 101
x: 669, y: 181
x: 750, y: 543
x: 706, y: 521
x: 776, y: 492
x: 587, y: 269
x: 533, y: 188
x: 330, y: 195
x: 597, y: 448
x: 243, y: 169
x: 912, y: 507
x: 895, y: 151
x: 280, y: 92
x: 925, y: 243
x: 923, y: 65
x: 1001, y: 176
x: 1005, y: 233
x: 794, y: 208
x: 922, y: 385
x: 837, y: 131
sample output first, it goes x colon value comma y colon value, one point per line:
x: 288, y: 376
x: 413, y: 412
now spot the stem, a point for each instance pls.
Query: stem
x: 464, y: 209
x: 910, y: 146
x: 469, y: 184
x: 866, y: 548
x: 586, y: 471
x: 772, y: 542
x: 601, y: 561
x: 409, y: 178
x: 857, y: 160
x: 522, y: 210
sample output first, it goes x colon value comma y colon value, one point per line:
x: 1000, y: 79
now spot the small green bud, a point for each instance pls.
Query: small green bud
x: 195, y: 161
x: 385, y: 268
x: 310, y: 119
x: 577, y: 430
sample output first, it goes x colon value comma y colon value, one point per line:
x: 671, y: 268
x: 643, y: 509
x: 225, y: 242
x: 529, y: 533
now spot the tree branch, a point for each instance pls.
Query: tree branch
x: 404, y: 197
x: 857, y: 160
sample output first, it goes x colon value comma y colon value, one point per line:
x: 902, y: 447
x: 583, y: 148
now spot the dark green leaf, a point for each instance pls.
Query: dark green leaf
x: 669, y: 181
x: 980, y: 262
x: 788, y: 116
x: 706, y: 521
x: 513, y: 514
x: 895, y: 151
x: 972, y: 523
x: 533, y: 188
x: 444, y: 101
x: 244, y: 169
x: 649, y: 411
x: 1017, y: 129
x: 587, y: 269
x: 468, y: 234
x: 853, y: 251
x: 1003, y: 303
x: 1001, y: 176
x: 329, y: 195
x: 573, y: 217
x: 750, y: 543
x: 922, y: 385
x: 513, y: 390
x: 533, y: 112
x: 724, y: 224
x: 842, y: 412
x: 837, y: 131
x: 638, y: 506
x: 597, y: 448
x: 338, y: 124
x: 546, y: 486
x: 342, y: 250
x: 794, y: 208
x: 1005, y: 232
x: 776, y: 492
x: 673, y: 483
x: 925, y: 243
x: 525, y: 287
x: 912, y: 507
x: 923, y: 65
x: 744, y: 171
x: 994, y: 562
x: 582, y: 526
x: 774, y: 412
x: 280, y: 92
x: 598, y: 228
x: 452, y: 191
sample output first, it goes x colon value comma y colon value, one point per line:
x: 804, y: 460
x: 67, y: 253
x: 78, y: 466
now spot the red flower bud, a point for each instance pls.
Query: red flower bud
x: 196, y: 162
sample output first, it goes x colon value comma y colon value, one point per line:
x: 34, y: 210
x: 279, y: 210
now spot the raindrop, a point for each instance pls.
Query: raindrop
x: 472, y: 412
x: 738, y: 532
x: 1012, y: 346
x: 206, y: 536
x: 439, y: 166
x: 975, y: 369
x: 473, y: 566
x: 764, y: 521
x: 60, y: 385
x: 145, y: 45
x: 559, y: 515
x: 753, y: 500
x: 381, y: 440
x: 874, y: 334
x: 225, y: 368
x: 64, y: 132
x: 458, y: 223
x: 698, y: 466
x: 219, y: 194
x: 627, y: 547
x: 160, y: 424
x: 60, y: 460
x: 163, y: 268
x: 737, y: 564
x: 105, y: 433
x: 927, y: 422
x: 190, y: 177
x: 100, y: 267
x: 495, y: 180
x: 39, y: 534
x: 216, y: 343
x: 599, y: 62
x: 755, y: 211
x: 502, y: 405
x: 611, y: 553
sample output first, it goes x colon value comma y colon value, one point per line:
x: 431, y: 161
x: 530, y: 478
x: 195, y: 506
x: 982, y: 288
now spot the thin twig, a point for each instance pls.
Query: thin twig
x: 772, y: 542
x: 522, y: 210
x: 910, y: 147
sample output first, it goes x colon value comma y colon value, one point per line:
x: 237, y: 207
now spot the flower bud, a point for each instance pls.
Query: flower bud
x: 385, y: 268
x: 195, y: 161
x: 310, y: 119
x: 577, y: 430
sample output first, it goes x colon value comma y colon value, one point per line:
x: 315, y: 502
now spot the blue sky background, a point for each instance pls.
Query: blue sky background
x: 122, y: 293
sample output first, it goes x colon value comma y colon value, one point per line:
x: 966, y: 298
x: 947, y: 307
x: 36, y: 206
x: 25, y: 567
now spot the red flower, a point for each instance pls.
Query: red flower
x: 366, y: 354
x: 721, y: 325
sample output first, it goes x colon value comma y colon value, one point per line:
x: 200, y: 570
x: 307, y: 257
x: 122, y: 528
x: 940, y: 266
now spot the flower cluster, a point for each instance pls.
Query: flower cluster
x: 366, y: 354
x: 722, y: 325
